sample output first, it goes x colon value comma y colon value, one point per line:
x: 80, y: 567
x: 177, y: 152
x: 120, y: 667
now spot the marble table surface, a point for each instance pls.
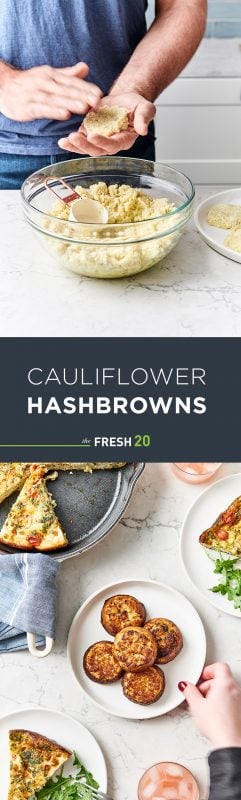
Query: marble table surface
x: 195, y: 291
x: 144, y: 545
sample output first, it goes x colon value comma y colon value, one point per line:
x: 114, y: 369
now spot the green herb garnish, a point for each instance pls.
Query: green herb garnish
x: 69, y: 787
x: 230, y: 580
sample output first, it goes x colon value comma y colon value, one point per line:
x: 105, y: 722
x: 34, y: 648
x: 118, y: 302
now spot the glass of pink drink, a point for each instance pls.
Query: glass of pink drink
x: 168, y: 781
x: 195, y: 473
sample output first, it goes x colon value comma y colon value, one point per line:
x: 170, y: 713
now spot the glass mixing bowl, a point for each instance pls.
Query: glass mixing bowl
x: 109, y: 250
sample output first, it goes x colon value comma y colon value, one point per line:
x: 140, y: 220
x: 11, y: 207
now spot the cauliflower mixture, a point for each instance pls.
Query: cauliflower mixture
x: 107, y: 252
x: 124, y: 203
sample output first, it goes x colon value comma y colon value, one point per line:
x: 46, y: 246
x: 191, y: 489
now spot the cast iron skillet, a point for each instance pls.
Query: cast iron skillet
x: 89, y: 505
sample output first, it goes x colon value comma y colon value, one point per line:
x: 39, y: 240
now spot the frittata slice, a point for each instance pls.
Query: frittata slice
x: 33, y: 760
x: 225, y: 534
x: 32, y: 523
x: 12, y: 477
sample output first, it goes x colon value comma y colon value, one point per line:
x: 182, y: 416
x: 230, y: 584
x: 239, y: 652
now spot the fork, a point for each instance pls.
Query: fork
x: 97, y: 794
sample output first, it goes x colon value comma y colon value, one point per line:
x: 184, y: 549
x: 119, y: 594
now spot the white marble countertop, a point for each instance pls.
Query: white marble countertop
x: 144, y: 545
x: 195, y: 291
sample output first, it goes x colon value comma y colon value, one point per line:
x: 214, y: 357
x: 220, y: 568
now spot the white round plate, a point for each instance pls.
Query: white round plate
x: 66, y: 731
x: 160, y: 601
x: 214, y: 237
x: 200, y: 516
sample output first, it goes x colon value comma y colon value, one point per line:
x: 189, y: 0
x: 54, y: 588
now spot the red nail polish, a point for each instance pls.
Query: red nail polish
x: 182, y: 685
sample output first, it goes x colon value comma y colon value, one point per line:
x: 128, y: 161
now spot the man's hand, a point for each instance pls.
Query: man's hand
x: 46, y: 92
x: 141, y: 112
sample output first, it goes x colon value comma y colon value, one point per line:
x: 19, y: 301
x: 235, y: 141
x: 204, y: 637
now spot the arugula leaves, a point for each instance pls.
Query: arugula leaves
x: 69, y: 787
x: 230, y: 580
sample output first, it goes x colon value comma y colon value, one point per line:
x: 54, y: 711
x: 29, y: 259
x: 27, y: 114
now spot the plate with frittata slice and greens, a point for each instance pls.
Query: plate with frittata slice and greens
x: 44, y: 753
x: 210, y: 544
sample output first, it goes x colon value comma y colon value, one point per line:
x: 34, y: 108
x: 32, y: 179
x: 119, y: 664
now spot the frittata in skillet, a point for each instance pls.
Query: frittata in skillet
x: 85, y: 467
x: 32, y: 523
x: 13, y: 474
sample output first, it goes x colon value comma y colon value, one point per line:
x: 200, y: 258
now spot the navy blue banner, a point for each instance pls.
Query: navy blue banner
x: 118, y: 400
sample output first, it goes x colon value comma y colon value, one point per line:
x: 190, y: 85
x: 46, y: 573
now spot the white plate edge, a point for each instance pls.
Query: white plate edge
x: 62, y: 714
x: 227, y: 252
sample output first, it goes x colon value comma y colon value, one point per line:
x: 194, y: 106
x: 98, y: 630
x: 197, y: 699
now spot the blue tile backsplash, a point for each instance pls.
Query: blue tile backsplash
x: 224, y: 18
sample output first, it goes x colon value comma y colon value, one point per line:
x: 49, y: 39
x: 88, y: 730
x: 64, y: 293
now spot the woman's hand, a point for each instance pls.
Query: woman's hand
x: 215, y: 705
x: 141, y: 112
x: 46, y: 92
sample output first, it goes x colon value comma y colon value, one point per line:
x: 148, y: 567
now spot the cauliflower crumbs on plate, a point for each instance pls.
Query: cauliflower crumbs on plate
x: 225, y: 216
x: 233, y: 240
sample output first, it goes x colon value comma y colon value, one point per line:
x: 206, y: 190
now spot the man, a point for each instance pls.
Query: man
x: 61, y: 58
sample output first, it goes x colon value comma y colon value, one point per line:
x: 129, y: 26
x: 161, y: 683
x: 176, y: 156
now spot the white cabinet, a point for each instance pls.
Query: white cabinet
x: 198, y: 128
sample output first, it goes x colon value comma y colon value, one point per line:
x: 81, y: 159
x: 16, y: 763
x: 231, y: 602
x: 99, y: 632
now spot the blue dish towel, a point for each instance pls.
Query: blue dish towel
x: 28, y: 590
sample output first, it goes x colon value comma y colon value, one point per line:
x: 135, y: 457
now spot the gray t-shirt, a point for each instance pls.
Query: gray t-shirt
x: 103, y: 33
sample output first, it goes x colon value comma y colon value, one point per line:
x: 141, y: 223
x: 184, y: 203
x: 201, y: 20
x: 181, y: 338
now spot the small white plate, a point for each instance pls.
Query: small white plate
x: 160, y: 601
x: 200, y: 516
x: 214, y: 237
x: 66, y: 731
